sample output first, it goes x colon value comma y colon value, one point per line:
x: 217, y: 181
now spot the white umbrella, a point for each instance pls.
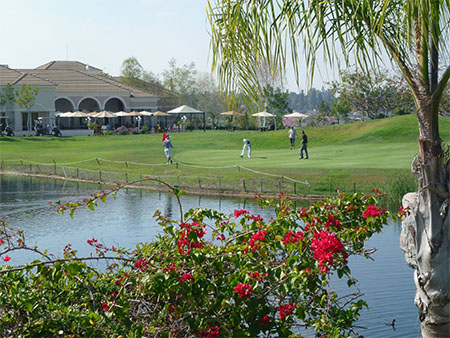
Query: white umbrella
x: 146, y: 113
x: 263, y: 114
x: 121, y: 113
x: 134, y: 113
x: 189, y: 110
x: 104, y: 114
x: 78, y: 114
x: 296, y: 115
x: 184, y: 110
x: 68, y: 114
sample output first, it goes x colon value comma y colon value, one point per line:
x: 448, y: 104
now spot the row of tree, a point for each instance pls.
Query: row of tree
x: 368, y: 95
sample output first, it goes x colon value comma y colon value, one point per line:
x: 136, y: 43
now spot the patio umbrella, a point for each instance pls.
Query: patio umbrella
x: 160, y: 113
x: 104, y: 114
x: 134, y: 113
x: 189, y: 110
x: 296, y: 115
x: 78, y: 114
x: 146, y: 113
x: 230, y: 113
x: 263, y: 114
x: 121, y: 113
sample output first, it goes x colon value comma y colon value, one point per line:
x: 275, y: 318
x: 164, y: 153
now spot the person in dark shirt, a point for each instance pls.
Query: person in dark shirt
x: 304, y: 146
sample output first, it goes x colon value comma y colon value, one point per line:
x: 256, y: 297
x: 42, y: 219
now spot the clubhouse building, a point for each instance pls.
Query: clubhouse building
x: 65, y: 86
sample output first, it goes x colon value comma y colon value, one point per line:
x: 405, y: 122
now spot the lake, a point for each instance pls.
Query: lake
x: 386, y: 282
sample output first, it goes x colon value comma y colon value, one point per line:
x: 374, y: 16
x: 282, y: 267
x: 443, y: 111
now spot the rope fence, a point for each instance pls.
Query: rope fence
x: 269, y: 184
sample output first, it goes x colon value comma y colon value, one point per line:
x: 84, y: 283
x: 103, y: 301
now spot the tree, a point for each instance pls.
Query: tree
x: 180, y: 80
x: 131, y: 70
x: 276, y: 102
x: 372, y: 95
x: 7, y: 96
x: 25, y: 98
x: 414, y: 34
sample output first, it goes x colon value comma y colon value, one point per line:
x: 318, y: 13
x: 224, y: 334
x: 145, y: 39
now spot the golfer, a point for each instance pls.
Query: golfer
x: 304, y: 146
x: 247, y: 146
x: 292, y: 134
x: 167, y: 151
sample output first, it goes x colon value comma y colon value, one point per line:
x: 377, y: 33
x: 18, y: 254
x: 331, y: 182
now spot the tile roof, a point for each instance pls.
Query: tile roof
x: 15, y: 77
x: 73, y: 77
x: 73, y: 81
x: 69, y: 65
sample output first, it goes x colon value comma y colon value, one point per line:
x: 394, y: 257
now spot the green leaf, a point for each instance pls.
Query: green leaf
x: 73, y: 269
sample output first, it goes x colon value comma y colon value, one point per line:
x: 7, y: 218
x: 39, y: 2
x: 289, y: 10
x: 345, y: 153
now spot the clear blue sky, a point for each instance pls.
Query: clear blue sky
x: 103, y: 33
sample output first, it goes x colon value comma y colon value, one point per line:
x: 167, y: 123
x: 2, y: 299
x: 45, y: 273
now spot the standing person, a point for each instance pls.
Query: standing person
x: 167, y: 145
x: 304, y: 146
x: 292, y: 134
x: 247, y: 145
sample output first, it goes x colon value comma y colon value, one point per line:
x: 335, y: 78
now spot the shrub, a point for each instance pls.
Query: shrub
x: 252, y: 277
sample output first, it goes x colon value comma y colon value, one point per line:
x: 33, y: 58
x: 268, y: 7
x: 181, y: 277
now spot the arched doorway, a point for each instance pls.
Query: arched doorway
x: 89, y: 104
x: 114, y: 105
x: 63, y: 105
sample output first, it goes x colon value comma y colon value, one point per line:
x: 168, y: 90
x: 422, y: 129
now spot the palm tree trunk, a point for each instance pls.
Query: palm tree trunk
x: 425, y: 233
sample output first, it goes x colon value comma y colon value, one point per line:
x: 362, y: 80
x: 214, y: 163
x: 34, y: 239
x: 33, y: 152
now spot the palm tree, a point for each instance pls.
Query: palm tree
x: 415, y: 35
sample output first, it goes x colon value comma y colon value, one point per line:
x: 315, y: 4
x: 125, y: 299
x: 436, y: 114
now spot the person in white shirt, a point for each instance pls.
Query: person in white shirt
x: 247, y: 146
x: 167, y: 145
x: 292, y: 134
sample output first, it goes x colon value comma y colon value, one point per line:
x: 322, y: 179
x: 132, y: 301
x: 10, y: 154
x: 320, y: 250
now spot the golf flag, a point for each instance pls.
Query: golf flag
x: 164, y: 136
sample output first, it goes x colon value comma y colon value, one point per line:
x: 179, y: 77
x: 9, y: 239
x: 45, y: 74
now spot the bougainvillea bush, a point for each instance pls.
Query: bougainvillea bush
x: 206, y: 275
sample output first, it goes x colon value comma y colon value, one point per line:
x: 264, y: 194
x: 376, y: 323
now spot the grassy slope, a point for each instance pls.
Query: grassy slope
x: 347, y: 152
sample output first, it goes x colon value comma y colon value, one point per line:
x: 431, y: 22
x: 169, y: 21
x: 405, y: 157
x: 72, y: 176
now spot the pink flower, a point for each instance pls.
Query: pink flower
x: 324, y: 245
x: 212, y: 331
x: 266, y: 320
x: 7, y: 258
x: 373, y: 211
x: 185, y: 277
x: 240, y: 212
x: 286, y: 310
x: 243, y: 290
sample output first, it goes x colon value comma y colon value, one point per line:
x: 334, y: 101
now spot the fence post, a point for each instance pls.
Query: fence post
x: 78, y: 173
x: 126, y: 164
x: 308, y: 187
x: 126, y: 178
x: 100, y: 175
x: 261, y: 182
x: 177, y: 165
x: 243, y: 184
x: 354, y: 187
x: 178, y: 181
x: 295, y: 188
x: 279, y: 186
x: 97, y: 161
x: 55, y: 165
x: 2, y: 164
x: 239, y: 168
x: 331, y: 188
x: 220, y: 184
x: 31, y: 168
x: 140, y: 179
x: 199, y: 184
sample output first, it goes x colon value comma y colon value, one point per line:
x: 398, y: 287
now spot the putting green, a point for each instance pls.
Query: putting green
x: 382, y: 156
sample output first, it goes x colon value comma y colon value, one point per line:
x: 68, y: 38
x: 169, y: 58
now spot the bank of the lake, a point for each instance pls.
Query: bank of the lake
x: 358, y: 156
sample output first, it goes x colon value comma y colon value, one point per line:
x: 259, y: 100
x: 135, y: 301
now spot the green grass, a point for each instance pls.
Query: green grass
x: 370, y: 153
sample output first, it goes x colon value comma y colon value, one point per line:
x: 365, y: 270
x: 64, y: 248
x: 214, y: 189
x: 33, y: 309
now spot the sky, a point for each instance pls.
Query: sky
x: 103, y: 33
